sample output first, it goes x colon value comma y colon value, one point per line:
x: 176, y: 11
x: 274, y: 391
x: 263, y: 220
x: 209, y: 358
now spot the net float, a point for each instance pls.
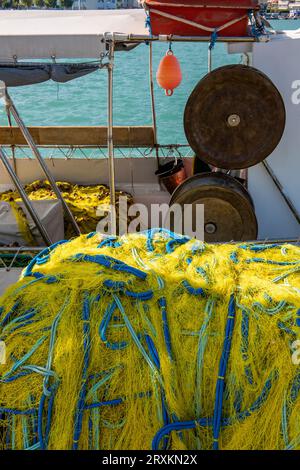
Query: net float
x: 169, y: 74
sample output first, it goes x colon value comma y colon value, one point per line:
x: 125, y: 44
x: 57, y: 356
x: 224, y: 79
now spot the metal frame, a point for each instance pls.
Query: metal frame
x: 173, y: 38
x: 25, y: 199
x: 111, y: 40
x: 281, y: 190
x: 13, y: 110
x: 154, y: 124
x: 110, y: 142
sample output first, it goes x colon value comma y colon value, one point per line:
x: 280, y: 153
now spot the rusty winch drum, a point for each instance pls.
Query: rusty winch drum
x: 234, y: 118
x: 228, y: 208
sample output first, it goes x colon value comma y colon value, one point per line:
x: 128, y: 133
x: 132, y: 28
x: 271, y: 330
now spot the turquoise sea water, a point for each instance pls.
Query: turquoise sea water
x: 83, y: 101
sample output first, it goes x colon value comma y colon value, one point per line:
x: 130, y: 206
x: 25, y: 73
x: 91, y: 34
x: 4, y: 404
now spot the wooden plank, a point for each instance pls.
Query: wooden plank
x: 127, y: 136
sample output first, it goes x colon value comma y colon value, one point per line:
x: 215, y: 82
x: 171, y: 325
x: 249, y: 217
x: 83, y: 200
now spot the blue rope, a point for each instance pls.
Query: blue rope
x: 222, y: 372
x: 155, y: 357
x: 38, y: 258
x: 245, y: 344
x: 109, y: 262
x: 295, y: 388
x: 148, y: 24
x: 259, y: 248
x: 167, y: 233
x: 268, y: 261
x: 203, y: 337
x: 238, y: 400
x: 284, y: 422
x: 234, y: 257
x: 8, y: 431
x: 178, y: 426
x: 205, y: 422
x: 35, y: 428
x: 163, y: 306
x: 192, y: 290
x: 14, y: 411
x: 298, y: 318
x: 104, y: 326
x: 49, y: 416
x: 284, y: 328
x: 21, y: 361
x: 152, y: 350
x: 171, y: 245
x: 86, y: 358
x: 15, y: 377
x: 213, y: 39
x: 270, y: 311
x: 91, y: 235
x: 256, y: 32
x: 109, y: 241
x: 10, y: 313
x: 48, y: 392
x: 136, y: 340
x: 120, y: 286
x: 256, y: 405
x: 20, y: 321
x: 116, y: 401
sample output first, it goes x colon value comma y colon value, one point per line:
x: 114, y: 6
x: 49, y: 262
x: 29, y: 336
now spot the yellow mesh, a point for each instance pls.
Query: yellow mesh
x: 152, y: 340
x: 84, y: 201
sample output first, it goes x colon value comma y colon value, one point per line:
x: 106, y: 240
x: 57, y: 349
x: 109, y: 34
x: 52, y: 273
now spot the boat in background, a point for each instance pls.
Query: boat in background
x: 196, y: 18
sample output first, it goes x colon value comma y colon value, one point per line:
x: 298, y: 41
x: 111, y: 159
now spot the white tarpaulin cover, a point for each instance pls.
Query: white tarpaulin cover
x: 7, y: 278
x: 42, y: 34
x: 51, y: 216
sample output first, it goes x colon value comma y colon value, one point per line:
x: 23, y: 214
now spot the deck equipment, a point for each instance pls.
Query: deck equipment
x: 235, y: 117
x: 228, y: 209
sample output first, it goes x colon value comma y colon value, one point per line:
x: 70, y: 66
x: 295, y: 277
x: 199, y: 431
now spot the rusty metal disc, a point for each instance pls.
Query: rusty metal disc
x: 228, y: 208
x: 234, y: 118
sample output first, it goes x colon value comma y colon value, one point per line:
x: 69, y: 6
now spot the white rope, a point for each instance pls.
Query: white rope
x: 197, y: 25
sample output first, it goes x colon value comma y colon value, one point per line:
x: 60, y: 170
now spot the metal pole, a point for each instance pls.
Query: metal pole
x: 41, y: 161
x: 154, y: 125
x: 281, y: 190
x: 25, y: 199
x: 110, y: 142
x: 209, y: 60
x: 174, y: 38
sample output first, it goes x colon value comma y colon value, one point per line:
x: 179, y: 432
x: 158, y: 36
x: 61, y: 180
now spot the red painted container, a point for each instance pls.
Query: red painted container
x: 194, y: 18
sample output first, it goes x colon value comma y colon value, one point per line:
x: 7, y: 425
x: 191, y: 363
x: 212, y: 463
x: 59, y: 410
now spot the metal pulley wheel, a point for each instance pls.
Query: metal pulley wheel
x: 228, y: 208
x: 235, y: 117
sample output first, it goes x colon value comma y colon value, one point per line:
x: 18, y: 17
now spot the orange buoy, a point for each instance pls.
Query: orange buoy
x: 169, y: 74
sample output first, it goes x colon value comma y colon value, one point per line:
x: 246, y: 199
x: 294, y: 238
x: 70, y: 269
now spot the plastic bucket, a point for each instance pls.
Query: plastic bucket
x: 171, y: 174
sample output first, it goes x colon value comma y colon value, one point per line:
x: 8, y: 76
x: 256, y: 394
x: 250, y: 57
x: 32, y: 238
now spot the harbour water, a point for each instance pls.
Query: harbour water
x: 83, y: 101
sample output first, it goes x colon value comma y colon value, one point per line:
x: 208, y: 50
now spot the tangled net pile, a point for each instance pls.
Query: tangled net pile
x: 152, y: 340
x: 83, y: 201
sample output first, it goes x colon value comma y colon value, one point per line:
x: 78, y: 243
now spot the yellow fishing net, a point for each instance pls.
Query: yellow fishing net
x: 84, y: 202
x: 152, y: 340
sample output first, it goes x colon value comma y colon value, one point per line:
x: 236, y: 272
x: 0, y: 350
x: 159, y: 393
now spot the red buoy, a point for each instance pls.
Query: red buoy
x: 169, y: 74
